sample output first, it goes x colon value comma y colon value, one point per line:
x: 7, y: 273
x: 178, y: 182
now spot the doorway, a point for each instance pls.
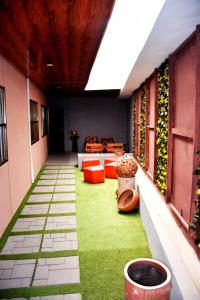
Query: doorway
x: 56, y: 130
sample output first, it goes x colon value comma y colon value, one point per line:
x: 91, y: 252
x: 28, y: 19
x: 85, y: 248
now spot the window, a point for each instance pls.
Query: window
x: 34, y: 121
x: 3, y: 129
x: 45, y: 114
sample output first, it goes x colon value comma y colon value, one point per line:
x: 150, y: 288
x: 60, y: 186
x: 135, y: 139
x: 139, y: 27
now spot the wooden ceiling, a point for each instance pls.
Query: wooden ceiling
x: 65, y: 33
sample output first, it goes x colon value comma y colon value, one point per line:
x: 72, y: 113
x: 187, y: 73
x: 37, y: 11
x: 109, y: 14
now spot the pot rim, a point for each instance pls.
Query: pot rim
x: 148, y: 260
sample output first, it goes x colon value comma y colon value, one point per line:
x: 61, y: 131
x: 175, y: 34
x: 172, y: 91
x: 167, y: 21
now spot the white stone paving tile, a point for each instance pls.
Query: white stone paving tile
x: 60, y: 242
x: 29, y: 224
x: 65, y: 181
x: 43, y: 189
x: 40, y: 198
x: 65, y: 188
x: 69, y: 171
x: 16, y: 273
x: 62, y: 270
x: 64, y: 197
x: 22, y: 244
x: 67, y: 176
x: 35, y: 209
x: 49, y: 176
x: 62, y: 208
x: 66, y: 167
x: 58, y: 297
x: 52, y: 167
x: 62, y: 222
x: 50, y: 172
x: 46, y: 182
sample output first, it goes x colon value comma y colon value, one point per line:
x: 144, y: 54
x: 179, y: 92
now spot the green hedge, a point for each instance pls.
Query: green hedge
x: 142, y: 124
x: 162, y: 128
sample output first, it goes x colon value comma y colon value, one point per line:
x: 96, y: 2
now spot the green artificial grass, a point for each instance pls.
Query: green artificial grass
x: 65, y: 253
x: 42, y: 231
x: 107, y: 240
x: 47, y: 215
x: 51, y: 202
x: 40, y: 291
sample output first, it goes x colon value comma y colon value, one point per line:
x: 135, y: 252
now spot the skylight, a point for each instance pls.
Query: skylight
x: 127, y: 31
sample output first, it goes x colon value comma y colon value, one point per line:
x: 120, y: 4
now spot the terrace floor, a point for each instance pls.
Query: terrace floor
x: 67, y: 241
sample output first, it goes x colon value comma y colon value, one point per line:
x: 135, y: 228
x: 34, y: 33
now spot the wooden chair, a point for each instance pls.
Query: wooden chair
x: 112, y: 148
x: 93, y: 148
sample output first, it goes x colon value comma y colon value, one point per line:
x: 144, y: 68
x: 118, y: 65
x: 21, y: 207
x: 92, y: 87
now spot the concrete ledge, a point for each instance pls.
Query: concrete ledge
x: 167, y: 242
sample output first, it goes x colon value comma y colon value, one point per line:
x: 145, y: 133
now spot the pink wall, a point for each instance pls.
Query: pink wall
x: 15, y: 176
x: 183, y: 131
x: 5, y: 203
x: 39, y: 149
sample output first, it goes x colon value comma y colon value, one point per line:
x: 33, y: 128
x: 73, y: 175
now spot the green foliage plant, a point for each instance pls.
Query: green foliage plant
x: 195, y: 222
x: 162, y: 127
x: 142, y: 124
x: 134, y: 120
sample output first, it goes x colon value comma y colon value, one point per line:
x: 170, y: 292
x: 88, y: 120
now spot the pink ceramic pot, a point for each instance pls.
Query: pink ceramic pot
x: 147, y: 279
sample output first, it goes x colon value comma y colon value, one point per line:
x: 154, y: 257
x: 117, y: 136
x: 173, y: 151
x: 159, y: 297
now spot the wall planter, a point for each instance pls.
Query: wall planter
x: 147, y: 279
x: 133, y: 121
x: 162, y: 128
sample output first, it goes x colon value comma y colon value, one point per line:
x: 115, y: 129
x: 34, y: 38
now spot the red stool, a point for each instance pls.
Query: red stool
x: 94, y: 174
x: 109, y: 160
x: 110, y: 170
x: 89, y: 162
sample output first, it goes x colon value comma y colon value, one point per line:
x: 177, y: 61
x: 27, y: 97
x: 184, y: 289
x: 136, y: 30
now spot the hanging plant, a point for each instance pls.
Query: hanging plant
x: 195, y: 223
x: 162, y: 128
x: 142, y: 124
x: 133, y: 121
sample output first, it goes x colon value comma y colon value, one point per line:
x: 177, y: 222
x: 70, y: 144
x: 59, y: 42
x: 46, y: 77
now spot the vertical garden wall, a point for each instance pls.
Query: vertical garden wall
x: 162, y: 128
x: 167, y: 132
x: 133, y: 121
x: 142, y: 124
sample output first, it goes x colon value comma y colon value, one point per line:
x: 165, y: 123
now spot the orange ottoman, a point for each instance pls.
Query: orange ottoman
x: 94, y: 174
x: 109, y: 160
x: 110, y: 170
x: 89, y: 162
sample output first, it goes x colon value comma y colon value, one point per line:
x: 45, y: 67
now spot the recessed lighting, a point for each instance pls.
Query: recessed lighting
x: 50, y: 65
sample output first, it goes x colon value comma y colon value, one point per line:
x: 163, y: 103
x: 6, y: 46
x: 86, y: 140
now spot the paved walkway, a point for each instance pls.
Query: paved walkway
x: 50, y: 212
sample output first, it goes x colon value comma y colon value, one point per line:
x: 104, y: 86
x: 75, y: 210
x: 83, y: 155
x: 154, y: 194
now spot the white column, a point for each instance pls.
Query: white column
x: 29, y: 129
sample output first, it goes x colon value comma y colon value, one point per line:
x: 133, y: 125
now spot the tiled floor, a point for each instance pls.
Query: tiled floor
x: 60, y: 270
x: 29, y: 224
x: 54, y: 197
x: 22, y: 244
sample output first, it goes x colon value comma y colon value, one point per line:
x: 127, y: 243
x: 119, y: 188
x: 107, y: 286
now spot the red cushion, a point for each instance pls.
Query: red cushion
x: 88, y: 162
x: 109, y: 160
x: 110, y: 170
x: 94, y: 174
